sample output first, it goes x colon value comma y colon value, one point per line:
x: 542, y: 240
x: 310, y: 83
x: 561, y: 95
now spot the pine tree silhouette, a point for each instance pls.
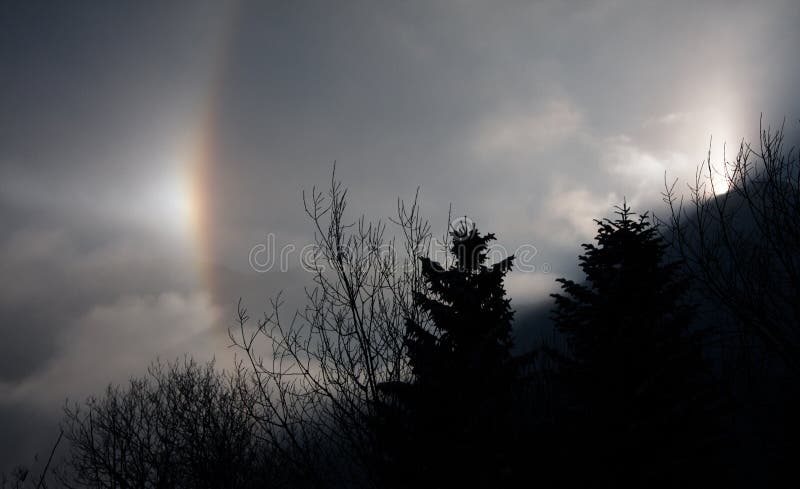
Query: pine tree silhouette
x: 634, y: 368
x: 449, y: 427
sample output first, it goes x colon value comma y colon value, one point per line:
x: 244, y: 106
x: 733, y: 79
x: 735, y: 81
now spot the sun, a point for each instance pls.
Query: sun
x: 170, y: 200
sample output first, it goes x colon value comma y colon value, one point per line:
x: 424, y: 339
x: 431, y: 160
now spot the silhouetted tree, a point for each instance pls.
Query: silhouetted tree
x: 740, y: 241
x: 738, y: 234
x: 318, y: 386
x: 633, y: 369
x: 183, y: 426
x: 450, y: 425
x: 22, y: 477
x: 297, y: 418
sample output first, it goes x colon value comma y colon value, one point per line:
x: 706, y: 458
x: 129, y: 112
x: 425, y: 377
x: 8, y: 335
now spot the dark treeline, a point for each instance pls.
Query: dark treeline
x: 676, y: 362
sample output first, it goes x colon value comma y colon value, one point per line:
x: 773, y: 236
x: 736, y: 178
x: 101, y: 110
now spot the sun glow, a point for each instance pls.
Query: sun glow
x: 167, y: 200
x: 722, y: 124
x: 722, y: 152
x: 187, y: 204
x: 174, y: 202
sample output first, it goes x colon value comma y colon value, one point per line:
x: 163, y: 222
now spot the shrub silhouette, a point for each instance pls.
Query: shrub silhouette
x: 182, y: 425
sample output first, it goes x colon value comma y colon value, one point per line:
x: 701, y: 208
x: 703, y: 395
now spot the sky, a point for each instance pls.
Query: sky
x: 147, y: 147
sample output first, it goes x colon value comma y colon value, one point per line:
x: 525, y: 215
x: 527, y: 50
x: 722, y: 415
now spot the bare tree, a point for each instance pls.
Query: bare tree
x: 741, y: 243
x: 318, y: 376
x: 182, y: 425
x: 298, y: 410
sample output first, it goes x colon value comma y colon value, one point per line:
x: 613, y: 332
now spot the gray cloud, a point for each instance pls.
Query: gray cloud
x: 532, y: 118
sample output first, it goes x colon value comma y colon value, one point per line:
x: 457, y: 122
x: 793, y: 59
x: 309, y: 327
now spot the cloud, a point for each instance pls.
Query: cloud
x: 513, y: 113
x: 58, y: 272
x: 113, y: 341
x: 670, y: 118
x: 639, y: 174
x: 528, y: 132
x: 537, y: 283
x: 570, y: 211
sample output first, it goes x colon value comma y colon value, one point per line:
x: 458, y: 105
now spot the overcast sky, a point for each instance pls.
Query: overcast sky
x: 146, y: 147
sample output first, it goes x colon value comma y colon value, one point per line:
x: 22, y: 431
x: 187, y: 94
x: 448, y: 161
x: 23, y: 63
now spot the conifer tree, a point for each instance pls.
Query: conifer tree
x: 633, y: 366
x: 450, y: 423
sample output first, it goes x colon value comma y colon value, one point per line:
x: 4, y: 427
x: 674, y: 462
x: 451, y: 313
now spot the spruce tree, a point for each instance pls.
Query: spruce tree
x: 633, y: 366
x: 449, y: 425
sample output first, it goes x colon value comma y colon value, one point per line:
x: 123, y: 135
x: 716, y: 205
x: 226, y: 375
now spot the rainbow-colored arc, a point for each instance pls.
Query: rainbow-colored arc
x: 199, y: 182
x: 200, y: 152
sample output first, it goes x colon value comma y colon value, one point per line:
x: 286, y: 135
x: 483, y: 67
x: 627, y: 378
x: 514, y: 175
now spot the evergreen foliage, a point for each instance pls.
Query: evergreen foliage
x: 639, y: 404
x: 449, y: 426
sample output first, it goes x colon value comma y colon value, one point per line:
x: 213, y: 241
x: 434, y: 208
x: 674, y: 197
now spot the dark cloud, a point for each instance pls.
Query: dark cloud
x: 27, y: 342
x: 533, y: 118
